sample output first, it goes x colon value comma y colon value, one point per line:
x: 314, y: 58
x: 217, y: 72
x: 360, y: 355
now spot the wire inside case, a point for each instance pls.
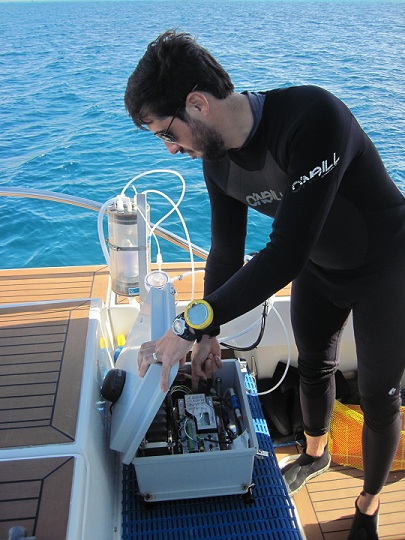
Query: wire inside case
x: 187, y: 422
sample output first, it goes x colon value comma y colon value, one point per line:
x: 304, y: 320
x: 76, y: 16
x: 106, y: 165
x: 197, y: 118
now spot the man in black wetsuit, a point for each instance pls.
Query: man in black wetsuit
x: 299, y: 156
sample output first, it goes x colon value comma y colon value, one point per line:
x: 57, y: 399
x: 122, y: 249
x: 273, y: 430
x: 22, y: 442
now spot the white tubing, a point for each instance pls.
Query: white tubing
x: 174, y: 208
x: 100, y: 229
x: 185, y: 274
x: 288, y: 360
x: 242, y: 332
x: 153, y: 171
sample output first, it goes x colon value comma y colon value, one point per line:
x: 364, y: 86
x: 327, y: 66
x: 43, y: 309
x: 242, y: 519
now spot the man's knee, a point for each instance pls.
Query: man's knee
x: 381, y: 410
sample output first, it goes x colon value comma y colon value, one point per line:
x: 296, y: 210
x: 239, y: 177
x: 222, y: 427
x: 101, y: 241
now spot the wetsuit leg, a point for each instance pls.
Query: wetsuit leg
x: 318, y: 325
x: 378, y: 323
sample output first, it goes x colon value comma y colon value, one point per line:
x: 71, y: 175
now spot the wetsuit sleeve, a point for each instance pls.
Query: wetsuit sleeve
x: 314, y: 149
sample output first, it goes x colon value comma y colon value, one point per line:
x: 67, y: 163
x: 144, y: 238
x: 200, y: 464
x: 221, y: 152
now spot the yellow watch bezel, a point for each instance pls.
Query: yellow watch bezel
x: 209, y: 316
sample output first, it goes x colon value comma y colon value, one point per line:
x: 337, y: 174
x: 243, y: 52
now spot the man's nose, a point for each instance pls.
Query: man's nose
x: 172, y: 148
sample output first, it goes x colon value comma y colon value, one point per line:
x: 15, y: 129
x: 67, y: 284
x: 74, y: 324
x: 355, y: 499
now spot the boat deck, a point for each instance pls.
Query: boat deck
x: 324, y: 506
x: 42, y: 348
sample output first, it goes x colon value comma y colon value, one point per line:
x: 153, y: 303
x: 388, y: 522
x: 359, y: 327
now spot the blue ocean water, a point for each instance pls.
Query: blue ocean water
x: 63, y: 72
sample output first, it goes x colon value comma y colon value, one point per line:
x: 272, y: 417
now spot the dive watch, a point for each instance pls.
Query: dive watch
x: 198, y: 314
x: 193, y: 323
x: 181, y: 329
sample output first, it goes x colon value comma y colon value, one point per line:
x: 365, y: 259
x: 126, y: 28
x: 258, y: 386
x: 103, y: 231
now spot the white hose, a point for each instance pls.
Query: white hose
x: 288, y: 359
x: 100, y: 230
x: 174, y: 208
x: 242, y: 332
x: 154, y: 171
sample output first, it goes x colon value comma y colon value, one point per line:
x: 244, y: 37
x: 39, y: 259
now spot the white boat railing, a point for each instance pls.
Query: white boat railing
x: 96, y: 206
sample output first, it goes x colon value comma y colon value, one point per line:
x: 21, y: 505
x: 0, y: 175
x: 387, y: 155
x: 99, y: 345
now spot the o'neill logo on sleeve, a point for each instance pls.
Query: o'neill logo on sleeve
x: 318, y: 172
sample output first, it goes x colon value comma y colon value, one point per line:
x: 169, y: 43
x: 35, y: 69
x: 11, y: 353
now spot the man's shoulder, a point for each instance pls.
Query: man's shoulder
x: 304, y: 92
x: 300, y: 102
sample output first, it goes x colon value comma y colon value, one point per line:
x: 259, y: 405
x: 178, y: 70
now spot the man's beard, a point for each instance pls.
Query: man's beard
x: 206, y: 140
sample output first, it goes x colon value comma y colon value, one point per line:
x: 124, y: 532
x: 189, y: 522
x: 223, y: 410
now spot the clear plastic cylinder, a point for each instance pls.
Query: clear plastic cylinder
x: 124, y: 251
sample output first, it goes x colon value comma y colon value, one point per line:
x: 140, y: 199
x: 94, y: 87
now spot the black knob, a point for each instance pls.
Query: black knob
x: 113, y: 385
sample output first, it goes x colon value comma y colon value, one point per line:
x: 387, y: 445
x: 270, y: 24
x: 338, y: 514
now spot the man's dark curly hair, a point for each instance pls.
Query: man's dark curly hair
x: 172, y: 66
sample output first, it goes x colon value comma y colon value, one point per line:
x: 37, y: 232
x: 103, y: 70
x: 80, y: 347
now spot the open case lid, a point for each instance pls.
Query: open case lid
x: 141, y: 399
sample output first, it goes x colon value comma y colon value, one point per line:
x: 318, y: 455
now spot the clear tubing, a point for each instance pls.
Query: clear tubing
x: 245, y: 330
x: 153, y: 171
x: 100, y: 229
x: 174, y: 205
x: 185, y: 274
x: 175, y: 208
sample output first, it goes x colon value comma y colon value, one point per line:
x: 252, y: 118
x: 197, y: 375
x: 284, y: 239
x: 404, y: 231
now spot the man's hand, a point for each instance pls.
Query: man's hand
x: 205, y: 360
x: 168, y: 350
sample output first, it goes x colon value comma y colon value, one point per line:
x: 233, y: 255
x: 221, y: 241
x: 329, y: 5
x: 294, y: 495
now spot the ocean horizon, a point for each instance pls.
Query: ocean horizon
x: 63, y: 73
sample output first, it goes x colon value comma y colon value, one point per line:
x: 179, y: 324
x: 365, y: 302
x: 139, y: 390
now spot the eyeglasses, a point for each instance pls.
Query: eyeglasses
x: 165, y: 135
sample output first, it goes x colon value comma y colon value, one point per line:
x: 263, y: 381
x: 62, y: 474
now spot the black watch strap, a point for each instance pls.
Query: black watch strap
x: 211, y: 331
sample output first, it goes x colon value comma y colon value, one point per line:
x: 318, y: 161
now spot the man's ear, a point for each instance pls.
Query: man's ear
x: 197, y: 104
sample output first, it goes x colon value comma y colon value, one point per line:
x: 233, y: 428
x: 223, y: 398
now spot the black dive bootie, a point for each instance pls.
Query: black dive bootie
x: 364, y: 527
x: 298, y: 472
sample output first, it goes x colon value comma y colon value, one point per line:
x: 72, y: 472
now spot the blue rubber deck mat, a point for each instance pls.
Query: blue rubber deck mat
x: 269, y: 515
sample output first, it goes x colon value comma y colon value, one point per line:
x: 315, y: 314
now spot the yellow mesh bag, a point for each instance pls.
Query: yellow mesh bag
x: 345, y: 437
